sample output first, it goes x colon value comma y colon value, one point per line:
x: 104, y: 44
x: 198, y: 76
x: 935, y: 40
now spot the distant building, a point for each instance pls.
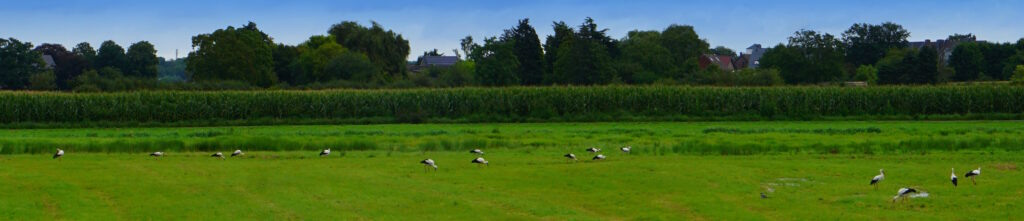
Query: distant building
x: 724, y: 62
x: 751, y: 58
x: 943, y: 46
x: 433, y: 61
x: 49, y: 63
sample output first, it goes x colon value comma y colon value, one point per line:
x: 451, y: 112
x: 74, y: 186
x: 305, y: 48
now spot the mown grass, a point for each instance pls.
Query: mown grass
x: 519, y: 184
x: 700, y: 138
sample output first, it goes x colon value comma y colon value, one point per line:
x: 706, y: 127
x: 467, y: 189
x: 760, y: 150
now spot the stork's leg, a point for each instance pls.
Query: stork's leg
x: 972, y: 180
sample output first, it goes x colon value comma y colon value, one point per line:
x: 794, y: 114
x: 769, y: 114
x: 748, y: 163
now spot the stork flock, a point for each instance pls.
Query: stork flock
x: 480, y: 161
x: 904, y: 192
x: 901, y: 195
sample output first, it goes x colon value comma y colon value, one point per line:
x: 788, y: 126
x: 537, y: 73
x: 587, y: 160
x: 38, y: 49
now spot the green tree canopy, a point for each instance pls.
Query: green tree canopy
x: 868, y: 43
x: 285, y: 63
x: 142, y: 60
x: 809, y: 57
x: 967, y: 61
x: 243, y: 54
x: 387, y: 49
x: 684, y: 44
x: 17, y: 63
x: 352, y: 66
x: 85, y: 51
x: 644, y: 59
x: 553, y: 43
x: 68, y: 64
x: 909, y: 66
x: 528, y: 52
x: 722, y: 50
x: 586, y: 59
x: 496, y: 63
x: 110, y: 55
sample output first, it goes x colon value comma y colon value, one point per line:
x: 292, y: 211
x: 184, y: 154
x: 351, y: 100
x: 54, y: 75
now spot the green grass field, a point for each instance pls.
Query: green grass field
x: 678, y: 171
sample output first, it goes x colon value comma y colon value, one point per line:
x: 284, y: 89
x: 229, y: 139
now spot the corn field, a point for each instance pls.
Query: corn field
x: 514, y: 104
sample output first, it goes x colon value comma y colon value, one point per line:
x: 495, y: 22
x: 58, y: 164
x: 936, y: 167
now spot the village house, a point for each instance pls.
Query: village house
x: 750, y: 58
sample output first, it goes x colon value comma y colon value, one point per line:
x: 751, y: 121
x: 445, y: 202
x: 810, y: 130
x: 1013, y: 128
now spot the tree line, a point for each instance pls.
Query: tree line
x: 351, y: 55
x: 24, y: 67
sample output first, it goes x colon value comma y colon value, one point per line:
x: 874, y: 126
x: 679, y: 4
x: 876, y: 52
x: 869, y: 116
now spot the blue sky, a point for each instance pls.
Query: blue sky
x: 170, y: 24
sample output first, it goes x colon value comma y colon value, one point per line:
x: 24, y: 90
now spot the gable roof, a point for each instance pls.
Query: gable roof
x: 438, y: 60
x: 50, y: 64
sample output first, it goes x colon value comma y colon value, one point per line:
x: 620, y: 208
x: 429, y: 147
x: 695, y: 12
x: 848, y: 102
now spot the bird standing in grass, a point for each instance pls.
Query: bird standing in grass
x: 599, y: 157
x: 237, y: 153
x: 325, y: 152
x: 157, y: 154
x: 60, y: 153
x: 626, y: 149
x: 879, y: 178
x: 570, y: 157
x: 428, y: 163
x: 477, y: 152
x: 903, y: 193
x: 593, y: 150
x: 480, y: 161
x: 952, y: 176
x: 218, y: 155
x: 973, y: 174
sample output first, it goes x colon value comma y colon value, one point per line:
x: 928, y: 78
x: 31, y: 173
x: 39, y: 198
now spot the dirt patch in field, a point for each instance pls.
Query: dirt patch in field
x: 1005, y: 166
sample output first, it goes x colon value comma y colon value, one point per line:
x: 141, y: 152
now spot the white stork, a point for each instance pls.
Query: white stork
x: 218, y: 155
x: 879, y: 178
x: 626, y: 149
x: 157, y: 154
x: 593, y: 150
x: 477, y: 152
x: 903, y: 193
x: 237, y: 153
x: 60, y: 153
x: 570, y: 157
x: 973, y: 174
x: 479, y: 160
x: 428, y: 163
x: 952, y: 176
x: 325, y: 152
x: 599, y: 157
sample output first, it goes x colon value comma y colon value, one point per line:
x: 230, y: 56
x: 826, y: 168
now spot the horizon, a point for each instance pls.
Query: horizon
x: 170, y: 25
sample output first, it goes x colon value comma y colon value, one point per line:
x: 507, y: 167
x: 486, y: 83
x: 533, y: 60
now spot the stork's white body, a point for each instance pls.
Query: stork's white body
x: 60, y: 153
x: 626, y: 149
x: 599, y: 157
x: 218, y: 155
x: 237, y: 153
x: 878, y: 178
x: 477, y: 152
x: 570, y: 157
x: 593, y: 150
x: 429, y: 163
x: 903, y: 193
x: 972, y: 174
x: 325, y: 152
x: 157, y: 154
x: 952, y: 176
x: 479, y: 160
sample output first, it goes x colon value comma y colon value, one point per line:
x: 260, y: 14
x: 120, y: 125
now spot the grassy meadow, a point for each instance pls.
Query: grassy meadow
x: 677, y: 171
x: 371, y: 185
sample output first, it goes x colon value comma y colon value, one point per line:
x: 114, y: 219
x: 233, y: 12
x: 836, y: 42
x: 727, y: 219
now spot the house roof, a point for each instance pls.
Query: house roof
x: 50, y: 64
x: 438, y: 60
x: 723, y: 62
